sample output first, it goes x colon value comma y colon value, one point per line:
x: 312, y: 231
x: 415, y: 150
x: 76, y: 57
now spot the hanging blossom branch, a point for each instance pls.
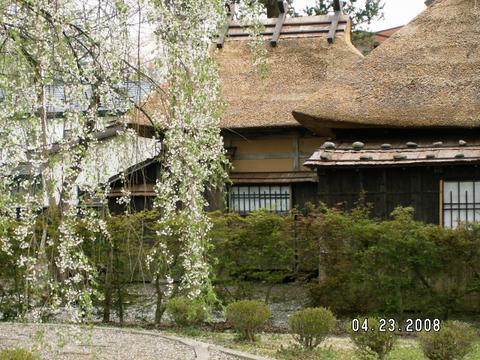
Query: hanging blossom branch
x: 80, y: 48
x: 193, y: 156
x: 84, y: 47
x: 193, y: 153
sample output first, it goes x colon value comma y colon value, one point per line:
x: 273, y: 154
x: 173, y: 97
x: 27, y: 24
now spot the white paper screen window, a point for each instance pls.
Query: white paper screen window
x: 461, y: 202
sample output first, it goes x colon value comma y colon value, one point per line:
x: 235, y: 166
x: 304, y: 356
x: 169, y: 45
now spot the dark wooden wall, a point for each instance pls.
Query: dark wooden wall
x: 303, y: 193
x: 137, y: 203
x: 388, y: 188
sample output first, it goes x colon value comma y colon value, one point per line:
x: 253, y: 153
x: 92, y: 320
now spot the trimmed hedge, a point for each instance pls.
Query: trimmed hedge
x: 311, y: 326
x: 186, y: 312
x: 453, y: 341
x: 372, y: 342
x: 248, y: 317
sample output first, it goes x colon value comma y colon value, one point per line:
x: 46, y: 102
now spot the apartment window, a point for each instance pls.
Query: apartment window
x: 246, y: 198
x: 461, y: 202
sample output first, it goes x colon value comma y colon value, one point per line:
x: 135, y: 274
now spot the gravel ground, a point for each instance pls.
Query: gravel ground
x: 284, y: 300
x: 72, y: 343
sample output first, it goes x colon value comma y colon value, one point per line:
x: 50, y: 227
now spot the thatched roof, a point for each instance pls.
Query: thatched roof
x: 297, y: 66
x: 300, y: 62
x: 426, y: 75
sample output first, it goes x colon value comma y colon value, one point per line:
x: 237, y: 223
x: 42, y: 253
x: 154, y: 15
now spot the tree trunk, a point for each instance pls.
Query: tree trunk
x: 79, y: 151
x: 118, y: 286
x: 108, y: 287
x: 160, y: 309
x: 320, y: 260
x: 42, y: 111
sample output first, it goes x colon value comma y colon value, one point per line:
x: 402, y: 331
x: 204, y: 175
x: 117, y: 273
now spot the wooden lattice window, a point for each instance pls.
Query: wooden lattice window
x: 460, y: 202
x: 246, y: 198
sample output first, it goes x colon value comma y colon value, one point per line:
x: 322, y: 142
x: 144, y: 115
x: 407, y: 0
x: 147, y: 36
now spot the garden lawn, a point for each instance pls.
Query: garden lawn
x: 282, y: 346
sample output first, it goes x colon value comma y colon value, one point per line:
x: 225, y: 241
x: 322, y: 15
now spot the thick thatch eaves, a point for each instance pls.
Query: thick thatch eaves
x: 426, y: 75
x: 297, y: 66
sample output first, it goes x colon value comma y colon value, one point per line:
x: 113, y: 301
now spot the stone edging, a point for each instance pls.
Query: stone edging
x: 201, y: 348
x: 239, y: 354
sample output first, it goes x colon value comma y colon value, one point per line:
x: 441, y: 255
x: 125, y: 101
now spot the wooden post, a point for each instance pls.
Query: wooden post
x: 333, y: 27
x: 281, y: 19
x: 231, y: 13
x: 320, y: 260
x: 338, y: 5
x: 296, y: 152
x: 441, y: 203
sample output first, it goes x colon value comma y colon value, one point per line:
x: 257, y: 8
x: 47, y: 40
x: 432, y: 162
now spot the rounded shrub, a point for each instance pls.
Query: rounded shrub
x: 186, y: 312
x: 248, y: 317
x: 17, y: 354
x: 372, y: 342
x: 453, y: 341
x: 311, y: 326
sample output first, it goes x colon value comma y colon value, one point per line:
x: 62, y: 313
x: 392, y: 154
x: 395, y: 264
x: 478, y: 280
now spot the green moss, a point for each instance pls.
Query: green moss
x: 17, y: 354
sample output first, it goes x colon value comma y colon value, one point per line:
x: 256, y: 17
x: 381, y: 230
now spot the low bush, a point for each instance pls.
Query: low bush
x: 248, y: 317
x: 186, y: 312
x: 17, y: 354
x: 311, y: 326
x: 372, y: 342
x: 452, y: 342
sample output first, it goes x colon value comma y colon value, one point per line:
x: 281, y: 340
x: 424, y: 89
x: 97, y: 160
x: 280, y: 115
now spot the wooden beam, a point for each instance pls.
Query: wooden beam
x: 333, y: 27
x: 221, y: 38
x: 272, y: 156
x: 284, y: 32
x: 280, y: 20
x: 296, y: 151
x: 305, y: 20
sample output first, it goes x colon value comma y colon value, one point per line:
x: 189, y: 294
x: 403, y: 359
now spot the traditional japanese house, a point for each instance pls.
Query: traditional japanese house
x: 267, y: 146
x: 404, y: 124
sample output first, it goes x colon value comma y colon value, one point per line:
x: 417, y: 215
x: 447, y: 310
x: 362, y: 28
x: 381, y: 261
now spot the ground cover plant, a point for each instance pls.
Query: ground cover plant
x: 17, y: 354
